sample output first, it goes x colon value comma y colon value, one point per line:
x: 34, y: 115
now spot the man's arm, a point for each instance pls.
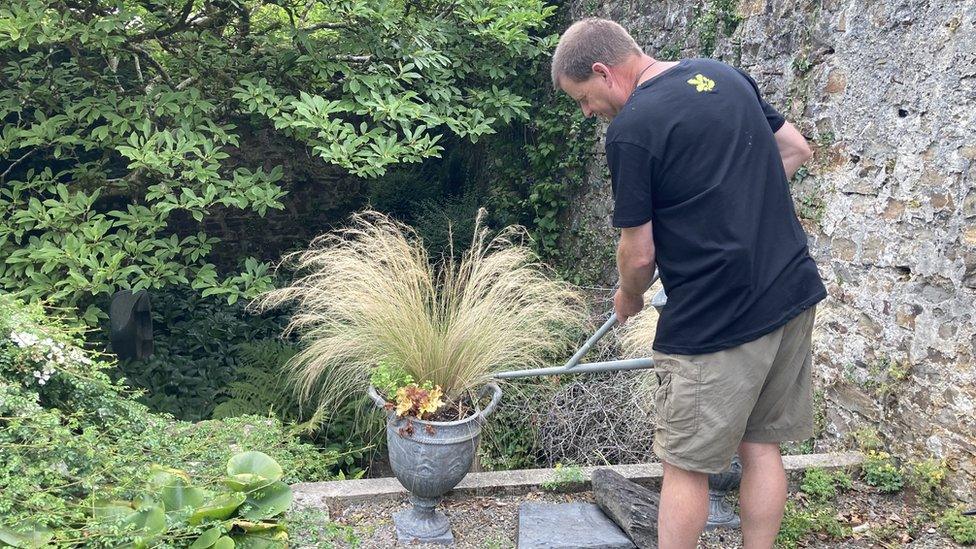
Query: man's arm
x: 635, y: 263
x: 793, y: 148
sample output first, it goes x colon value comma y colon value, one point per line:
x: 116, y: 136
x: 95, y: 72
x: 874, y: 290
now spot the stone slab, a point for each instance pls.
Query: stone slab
x: 321, y: 494
x: 567, y: 526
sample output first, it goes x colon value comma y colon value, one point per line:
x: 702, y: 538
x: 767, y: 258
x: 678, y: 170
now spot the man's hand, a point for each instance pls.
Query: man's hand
x: 627, y: 305
x: 635, y: 263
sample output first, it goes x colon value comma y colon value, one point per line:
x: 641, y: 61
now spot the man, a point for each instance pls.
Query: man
x: 700, y: 165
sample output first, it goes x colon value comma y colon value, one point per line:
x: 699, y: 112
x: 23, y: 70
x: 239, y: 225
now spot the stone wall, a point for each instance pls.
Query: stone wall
x: 884, y: 90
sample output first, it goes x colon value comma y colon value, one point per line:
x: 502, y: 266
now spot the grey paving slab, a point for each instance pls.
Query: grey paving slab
x: 567, y: 526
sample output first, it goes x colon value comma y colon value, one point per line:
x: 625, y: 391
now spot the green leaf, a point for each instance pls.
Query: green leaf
x: 149, y: 520
x: 219, y: 508
x: 268, y: 502
x: 262, y: 541
x: 254, y: 463
x: 208, y: 538
x: 246, y: 482
x: 224, y: 543
x: 178, y: 497
x: 113, y: 508
x: 36, y: 536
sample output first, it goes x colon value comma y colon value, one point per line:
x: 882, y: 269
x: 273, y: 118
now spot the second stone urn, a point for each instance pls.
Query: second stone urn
x: 429, y: 458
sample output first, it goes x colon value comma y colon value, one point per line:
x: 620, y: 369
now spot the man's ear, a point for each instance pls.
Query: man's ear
x: 601, y: 70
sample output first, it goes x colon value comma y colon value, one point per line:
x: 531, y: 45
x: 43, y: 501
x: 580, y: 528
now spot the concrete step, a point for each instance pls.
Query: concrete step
x: 319, y: 494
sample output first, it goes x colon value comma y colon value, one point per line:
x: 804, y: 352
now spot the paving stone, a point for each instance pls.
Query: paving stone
x: 567, y: 526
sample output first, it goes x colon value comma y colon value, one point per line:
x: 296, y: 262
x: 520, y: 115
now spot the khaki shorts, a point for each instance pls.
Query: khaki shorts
x: 759, y: 391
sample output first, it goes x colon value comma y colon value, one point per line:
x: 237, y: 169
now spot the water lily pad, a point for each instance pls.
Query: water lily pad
x: 163, y: 476
x: 35, y: 536
x: 181, y: 497
x: 254, y: 463
x: 218, y: 508
x: 149, y: 520
x: 112, y: 508
x: 262, y: 541
x: 208, y: 538
x: 268, y: 502
x: 246, y: 482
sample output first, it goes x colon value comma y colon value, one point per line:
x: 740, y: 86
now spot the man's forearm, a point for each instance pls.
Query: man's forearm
x: 636, y: 270
x: 791, y: 163
x: 793, y: 148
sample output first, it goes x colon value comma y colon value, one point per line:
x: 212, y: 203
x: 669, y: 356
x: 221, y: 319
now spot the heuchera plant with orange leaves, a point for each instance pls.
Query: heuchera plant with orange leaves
x: 413, y: 400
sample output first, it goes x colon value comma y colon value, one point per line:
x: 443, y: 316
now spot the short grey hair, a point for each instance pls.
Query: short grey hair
x: 588, y: 41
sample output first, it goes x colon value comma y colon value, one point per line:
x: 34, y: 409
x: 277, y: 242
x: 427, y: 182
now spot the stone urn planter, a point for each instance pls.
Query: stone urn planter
x: 429, y: 458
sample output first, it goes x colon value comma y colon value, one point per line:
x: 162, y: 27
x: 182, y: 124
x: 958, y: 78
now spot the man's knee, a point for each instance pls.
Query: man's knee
x: 758, y: 450
x: 677, y: 474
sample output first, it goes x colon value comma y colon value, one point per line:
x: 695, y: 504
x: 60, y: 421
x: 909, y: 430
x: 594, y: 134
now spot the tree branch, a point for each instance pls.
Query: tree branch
x: 135, y: 58
x: 182, y: 24
x: 155, y: 64
x: 10, y: 168
x: 354, y: 58
x: 326, y: 25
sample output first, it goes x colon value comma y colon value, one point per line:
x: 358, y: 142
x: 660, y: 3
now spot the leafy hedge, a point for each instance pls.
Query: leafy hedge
x: 124, y: 121
x: 197, y: 352
x: 71, y: 438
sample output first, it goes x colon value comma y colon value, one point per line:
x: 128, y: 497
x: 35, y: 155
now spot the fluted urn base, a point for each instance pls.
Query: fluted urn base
x: 422, y: 523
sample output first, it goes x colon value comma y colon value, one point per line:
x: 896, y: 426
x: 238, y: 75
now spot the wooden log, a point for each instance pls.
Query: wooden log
x: 631, y: 506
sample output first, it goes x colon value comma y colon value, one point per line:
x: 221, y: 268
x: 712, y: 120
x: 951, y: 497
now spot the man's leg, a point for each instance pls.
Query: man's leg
x: 762, y: 493
x: 684, y: 508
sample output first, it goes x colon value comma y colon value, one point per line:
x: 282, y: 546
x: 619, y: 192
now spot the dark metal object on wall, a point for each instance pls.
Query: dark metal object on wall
x: 131, y: 324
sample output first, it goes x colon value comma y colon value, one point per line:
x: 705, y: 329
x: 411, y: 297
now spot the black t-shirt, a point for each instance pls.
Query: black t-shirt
x: 693, y: 152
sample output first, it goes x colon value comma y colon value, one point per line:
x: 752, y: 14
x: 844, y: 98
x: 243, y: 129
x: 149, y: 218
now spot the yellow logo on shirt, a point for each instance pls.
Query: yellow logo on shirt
x: 701, y: 83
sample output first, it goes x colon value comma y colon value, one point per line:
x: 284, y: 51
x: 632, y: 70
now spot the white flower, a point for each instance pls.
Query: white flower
x: 24, y: 339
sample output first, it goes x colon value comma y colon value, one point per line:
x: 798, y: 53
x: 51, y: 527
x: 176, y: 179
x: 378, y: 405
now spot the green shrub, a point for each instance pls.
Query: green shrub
x: 867, y: 439
x: 510, y: 440
x: 818, y: 484
x: 843, y: 481
x: 138, y: 122
x: 565, y: 478
x: 261, y: 387
x: 71, y: 436
x: 312, y: 528
x: 960, y: 528
x: 927, y: 478
x: 881, y: 471
x: 798, y: 523
x: 822, y: 485
x: 197, y: 352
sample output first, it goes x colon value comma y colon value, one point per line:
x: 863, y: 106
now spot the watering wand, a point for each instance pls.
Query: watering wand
x: 574, y: 367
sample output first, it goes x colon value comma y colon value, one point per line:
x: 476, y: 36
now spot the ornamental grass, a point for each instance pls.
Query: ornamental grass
x: 371, y: 294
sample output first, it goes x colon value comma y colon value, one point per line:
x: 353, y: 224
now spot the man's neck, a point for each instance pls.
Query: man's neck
x: 644, y: 63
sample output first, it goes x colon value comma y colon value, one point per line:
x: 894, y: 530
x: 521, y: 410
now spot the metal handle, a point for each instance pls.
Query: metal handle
x: 610, y: 323
x: 495, y: 398
x: 376, y: 398
x: 574, y: 360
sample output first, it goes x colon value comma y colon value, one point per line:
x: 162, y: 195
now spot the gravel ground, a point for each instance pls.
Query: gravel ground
x: 490, y: 522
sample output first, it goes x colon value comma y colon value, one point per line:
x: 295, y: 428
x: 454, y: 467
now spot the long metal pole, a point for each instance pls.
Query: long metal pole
x: 572, y: 365
x: 588, y: 368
